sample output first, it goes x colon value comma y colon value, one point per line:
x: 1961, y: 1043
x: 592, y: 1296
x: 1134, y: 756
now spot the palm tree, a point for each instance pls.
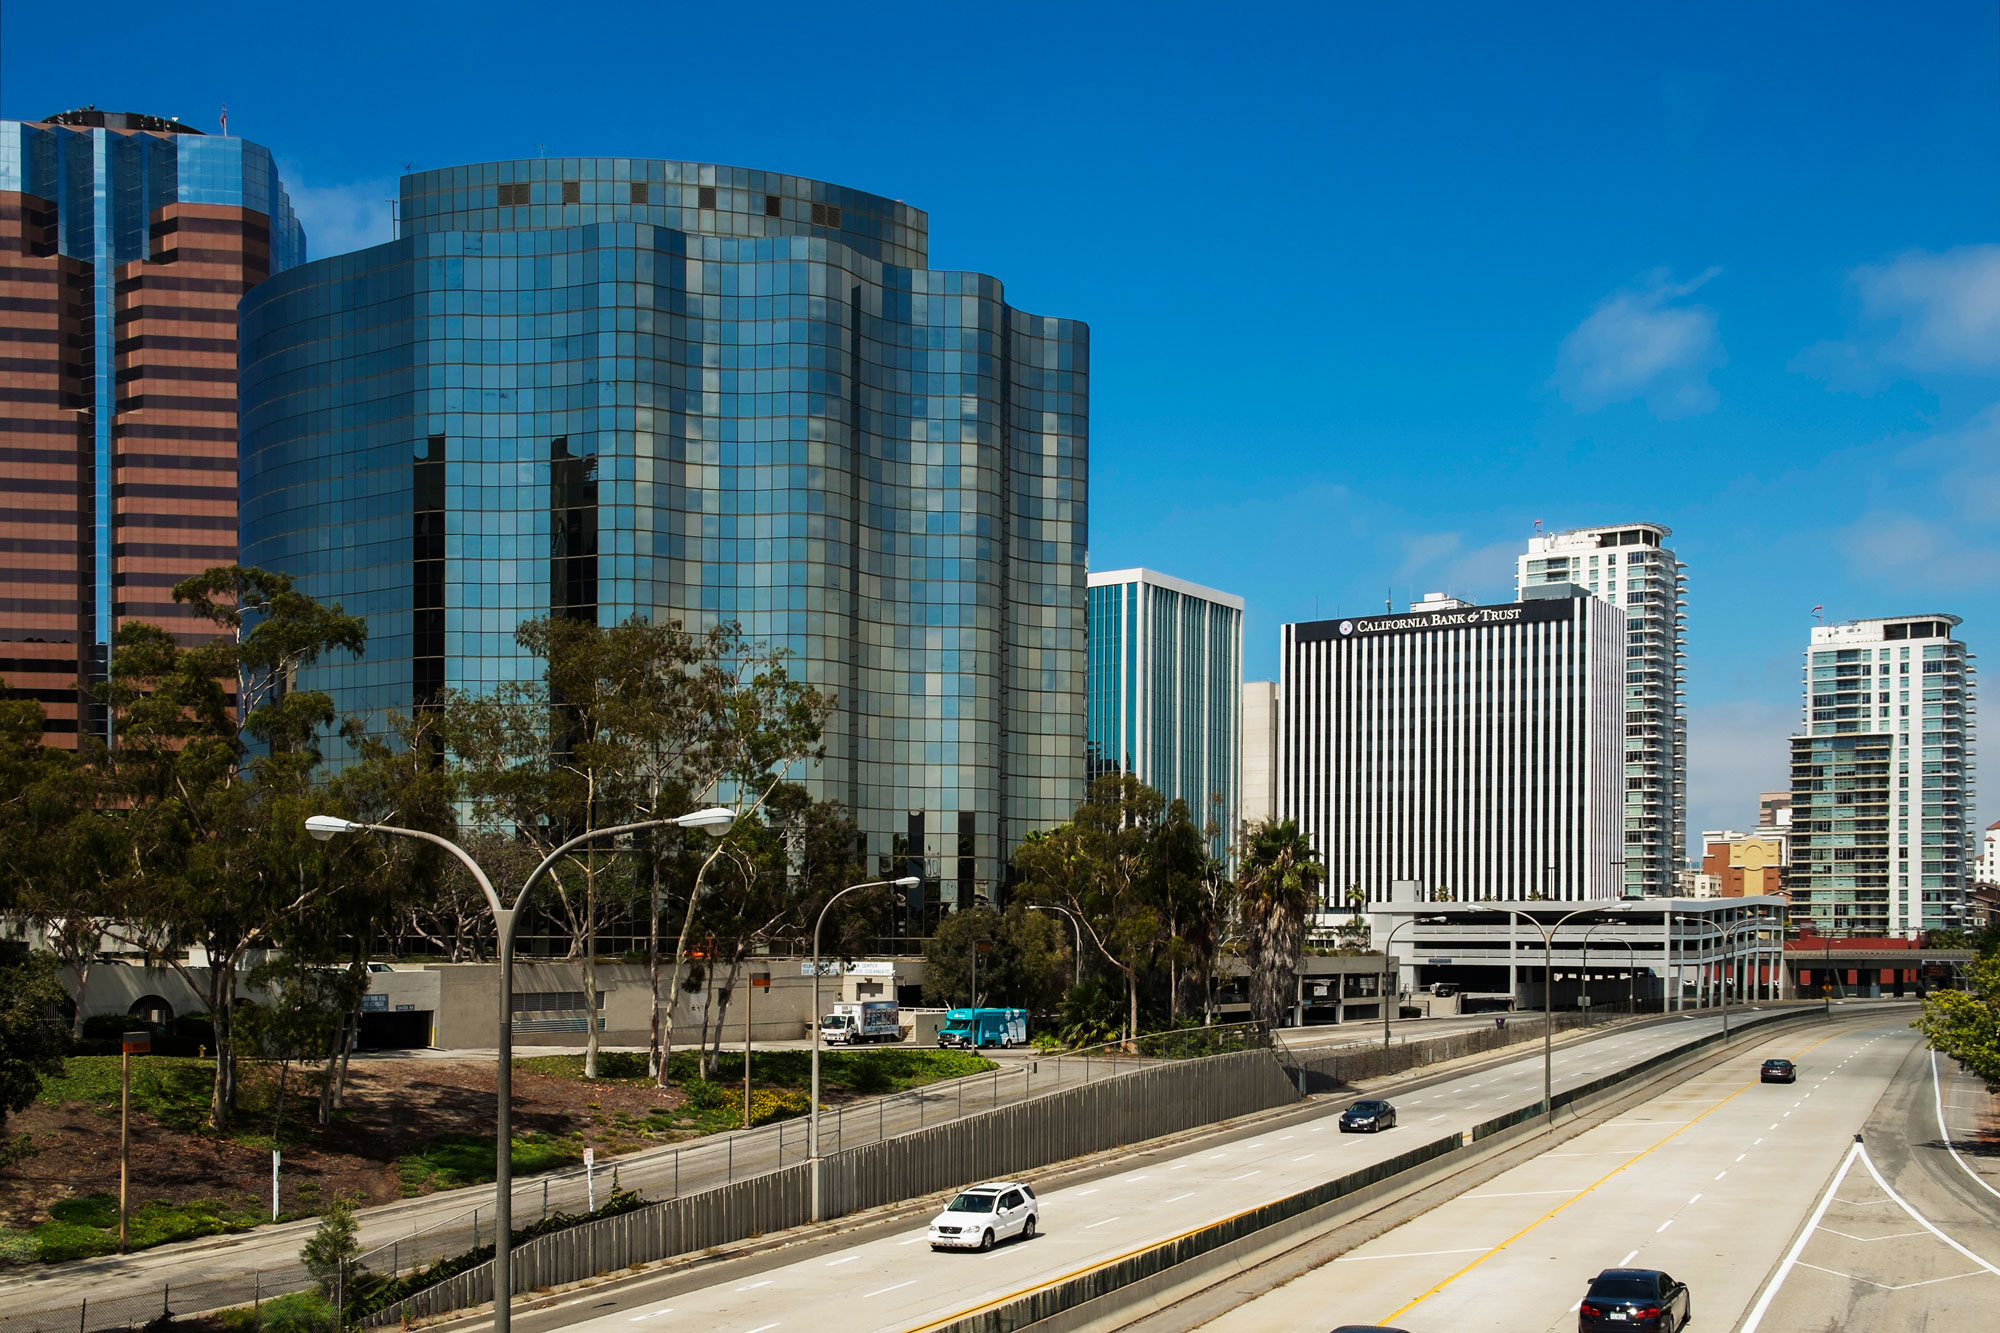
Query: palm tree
x: 1278, y: 883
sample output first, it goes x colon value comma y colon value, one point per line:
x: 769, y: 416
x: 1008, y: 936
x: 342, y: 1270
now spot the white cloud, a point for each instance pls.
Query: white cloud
x: 1647, y: 343
x: 1942, y: 531
x: 1442, y: 562
x: 340, y: 218
x: 1736, y: 749
x: 1943, y: 308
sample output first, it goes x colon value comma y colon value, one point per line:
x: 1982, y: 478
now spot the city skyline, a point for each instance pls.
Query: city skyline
x: 1743, y: 264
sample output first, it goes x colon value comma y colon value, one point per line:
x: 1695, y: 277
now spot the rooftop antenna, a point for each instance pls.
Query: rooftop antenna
x: 1389, y: 600
x: 544, y: 149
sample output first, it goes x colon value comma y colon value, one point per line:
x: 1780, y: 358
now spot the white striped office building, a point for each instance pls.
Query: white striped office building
x: 1473, y: 750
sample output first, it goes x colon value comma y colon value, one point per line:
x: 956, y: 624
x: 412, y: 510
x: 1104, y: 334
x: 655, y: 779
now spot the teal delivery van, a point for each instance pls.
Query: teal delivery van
x: 984, y: 1027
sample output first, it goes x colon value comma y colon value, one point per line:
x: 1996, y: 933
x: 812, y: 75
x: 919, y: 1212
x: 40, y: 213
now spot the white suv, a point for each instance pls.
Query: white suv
x: 983, y: 1214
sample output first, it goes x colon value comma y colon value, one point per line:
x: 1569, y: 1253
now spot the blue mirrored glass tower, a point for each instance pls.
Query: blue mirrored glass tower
x: 1166, y: 692
x: 608, y: 386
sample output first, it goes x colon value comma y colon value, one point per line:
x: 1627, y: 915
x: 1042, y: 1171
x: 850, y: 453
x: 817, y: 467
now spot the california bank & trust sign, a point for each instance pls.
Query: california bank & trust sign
x: 1418, y: 623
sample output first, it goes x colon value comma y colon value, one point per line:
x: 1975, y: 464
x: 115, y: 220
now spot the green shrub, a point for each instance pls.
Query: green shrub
x: 90, y: 1210
x: 299, y: 1312
x: 60, y: 1242
x: 18, y: 1247
x: 453, y: 1160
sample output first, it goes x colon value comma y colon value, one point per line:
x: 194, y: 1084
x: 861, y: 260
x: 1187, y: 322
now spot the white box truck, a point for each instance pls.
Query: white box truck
x: 854, y: 1024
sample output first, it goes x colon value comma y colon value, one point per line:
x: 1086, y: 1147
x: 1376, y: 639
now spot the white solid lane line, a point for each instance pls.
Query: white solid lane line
x: 1421, y: 1254
x: 1937, y: 1094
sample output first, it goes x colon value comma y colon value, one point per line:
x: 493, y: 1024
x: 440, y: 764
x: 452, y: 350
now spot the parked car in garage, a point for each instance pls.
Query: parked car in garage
x: 1644, y: 1299
x: 1369, y: 1117
x: 1779, y: 1071
x: 980, y: 1216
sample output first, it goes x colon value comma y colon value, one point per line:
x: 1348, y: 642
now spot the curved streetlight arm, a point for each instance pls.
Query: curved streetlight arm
x: 464, y: 857
x: 1074, y: 925
x: 812, y: 1116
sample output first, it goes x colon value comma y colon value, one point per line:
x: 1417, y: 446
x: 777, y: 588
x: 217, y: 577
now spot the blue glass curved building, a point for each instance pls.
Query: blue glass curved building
x: 607, y: 386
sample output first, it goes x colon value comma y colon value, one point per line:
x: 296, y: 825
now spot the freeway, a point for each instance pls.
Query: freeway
x: 227, y: 1270
x: 1711, y: 1180
x: 886, y: 1277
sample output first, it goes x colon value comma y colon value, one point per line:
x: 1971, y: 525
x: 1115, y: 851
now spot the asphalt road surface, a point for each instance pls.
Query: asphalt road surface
x: 888, y: 1278
x: 1711, y: 1181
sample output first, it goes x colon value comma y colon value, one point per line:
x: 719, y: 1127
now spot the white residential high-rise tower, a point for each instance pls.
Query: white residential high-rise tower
x: 1882, y: 778
x: 1629, y: 565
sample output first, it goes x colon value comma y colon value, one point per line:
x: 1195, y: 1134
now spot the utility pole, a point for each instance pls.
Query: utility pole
x: 134, y: 1043
x: 758, y: 981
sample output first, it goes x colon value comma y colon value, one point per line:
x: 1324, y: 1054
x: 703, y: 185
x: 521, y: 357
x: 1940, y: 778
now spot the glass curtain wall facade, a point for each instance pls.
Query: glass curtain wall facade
x: 125, y: 243
x: 612, y: 387
x: 1882, y: 835
x: 1166, y: 691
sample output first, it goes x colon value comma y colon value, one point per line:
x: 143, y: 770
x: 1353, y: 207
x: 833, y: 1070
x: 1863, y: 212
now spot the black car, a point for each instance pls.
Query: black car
x: 1370, y: 1116
x: 1779, y: 1071
x: 1634, y: 1298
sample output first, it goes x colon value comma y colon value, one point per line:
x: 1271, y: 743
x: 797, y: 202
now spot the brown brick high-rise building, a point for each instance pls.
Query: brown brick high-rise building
x: 125, y: 244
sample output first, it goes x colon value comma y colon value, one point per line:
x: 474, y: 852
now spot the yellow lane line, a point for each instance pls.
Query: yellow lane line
x: 1390, y: 1318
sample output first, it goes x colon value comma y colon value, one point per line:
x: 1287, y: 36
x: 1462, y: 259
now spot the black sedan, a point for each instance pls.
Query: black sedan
x: 1634, y: 1298
x: 1371, y: 1117
x: 1779, y: 1071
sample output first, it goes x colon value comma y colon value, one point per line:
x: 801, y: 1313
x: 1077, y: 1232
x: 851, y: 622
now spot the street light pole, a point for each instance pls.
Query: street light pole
x: 1549, y: 996
x: 1074, y: 925
x: 1632, y: 976
x: 1386, y: 956
x: 812, y: 1116
x: 716, y: 820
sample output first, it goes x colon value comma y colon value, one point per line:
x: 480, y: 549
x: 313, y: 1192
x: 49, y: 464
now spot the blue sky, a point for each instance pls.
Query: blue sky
x: 1371, y: 289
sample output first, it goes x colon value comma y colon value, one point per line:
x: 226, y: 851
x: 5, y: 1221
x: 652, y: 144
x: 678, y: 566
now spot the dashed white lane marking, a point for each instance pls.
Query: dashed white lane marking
x: 1105, y: 1223
x: 914, y: 1239
x: 1303, y: 1158
x: 1182, y: 1167
x: 1720, y: 1174
x: 1178, y: 1197
x: 665, y: 1309
x: 1628, y: 1258
x: 883, y: 1291
x: 761, y: 1327
x: 1663, y: 1226
x: 1246, y: 1175
x: 754, y: 1285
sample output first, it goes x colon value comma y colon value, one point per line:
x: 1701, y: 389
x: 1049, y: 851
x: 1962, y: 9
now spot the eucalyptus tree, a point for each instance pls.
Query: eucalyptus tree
x: 211, y: 779
x: 1106, y: 866
x: 624, y: 724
